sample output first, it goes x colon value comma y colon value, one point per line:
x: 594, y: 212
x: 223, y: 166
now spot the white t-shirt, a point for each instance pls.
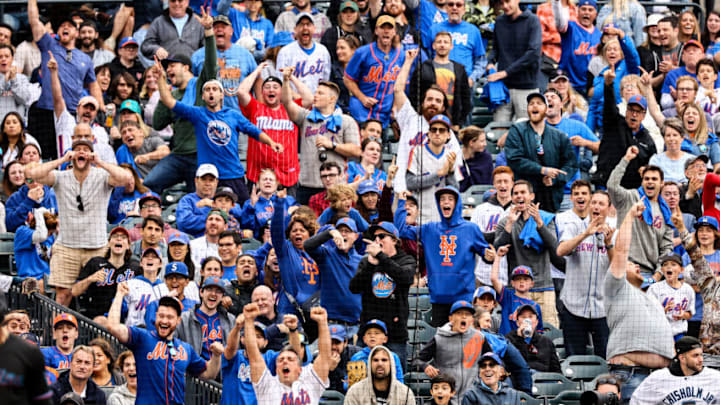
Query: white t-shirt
x: 202, y: 249
x: 487, y: 216
x: 307, y: 390
x: 683, y: 300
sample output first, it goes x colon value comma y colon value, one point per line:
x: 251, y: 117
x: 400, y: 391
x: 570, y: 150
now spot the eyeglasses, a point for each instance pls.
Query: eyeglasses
x: 685, y: 89
x: 634, y: 111
x: 439, y: 130
x: 80, y: 204
x: 486, y: 364
x: 455, y: 4
x: 328, y: 176
x: 144, y: 206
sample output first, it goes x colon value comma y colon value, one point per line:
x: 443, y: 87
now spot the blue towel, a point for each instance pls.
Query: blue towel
x: 529, y: 235
x: 664, y: 209
x: 334, y: 121
x: 687, y: 144
x: 495, y: 94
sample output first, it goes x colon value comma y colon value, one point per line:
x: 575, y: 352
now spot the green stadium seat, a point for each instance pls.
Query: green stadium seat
x: 548, y: 385
x: 330, y: 397
x: 551, y: 332
x: 419, y: 383
x: 566, y: 398
x: 493, y: 131
x: 420, y: 332
x: 422, y: 302
x: 583, y: 368
x: 527, y: 399
x: 560, y: 348
x: 7, y: 253
x: 250, y: 244
x: 169, y: 214
x: 418, y: 291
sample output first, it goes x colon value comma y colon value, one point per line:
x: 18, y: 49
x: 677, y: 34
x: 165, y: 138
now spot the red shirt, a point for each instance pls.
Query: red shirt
x: 277, y: 124
x: 319, y: 202
x: 708, y: 196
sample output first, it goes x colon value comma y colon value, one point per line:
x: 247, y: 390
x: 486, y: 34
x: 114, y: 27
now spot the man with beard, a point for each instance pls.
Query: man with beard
x: 83, y: 194
x: 207, y: 245
x: 162, y: 359
x: 540, y: 154
x: 586, y: 241
x: 217, y: 130
x: 652, y: 235
x: 293, y: 383
x: 269, y: 115
x: 91, y: 44
x: 127, y: 60
x: 310, y: 60
x: 208, y: 322
x: 371, y: 74
x: 75, y: 70
x: 290, y: 18
x: 234, y: 61
x: 77, y: 379
x: 488, y: 214
x: 578, y: 40
x: 241, y: 289
x: 413, y: 126
x: 381, y: 386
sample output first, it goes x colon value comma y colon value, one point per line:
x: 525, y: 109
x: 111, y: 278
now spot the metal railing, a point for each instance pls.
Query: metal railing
x: 43, y: 310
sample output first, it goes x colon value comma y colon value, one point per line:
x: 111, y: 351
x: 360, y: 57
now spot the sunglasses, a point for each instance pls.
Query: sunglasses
x: 487, y: 364
x: 80, y: 204
x: 382, y: 236
x: 439, y: 130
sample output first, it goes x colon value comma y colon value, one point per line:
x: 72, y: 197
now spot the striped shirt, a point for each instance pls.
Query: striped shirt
x: 277, y: 124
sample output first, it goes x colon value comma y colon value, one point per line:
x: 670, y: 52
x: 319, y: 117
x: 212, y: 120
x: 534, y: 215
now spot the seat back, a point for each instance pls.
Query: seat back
x: 566, y: 398
x: 584, y: 367
x: 549, y: 385
x: 330, y: 397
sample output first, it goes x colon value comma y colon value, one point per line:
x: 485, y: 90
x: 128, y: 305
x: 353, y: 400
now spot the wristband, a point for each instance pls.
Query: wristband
x: 292, y: 330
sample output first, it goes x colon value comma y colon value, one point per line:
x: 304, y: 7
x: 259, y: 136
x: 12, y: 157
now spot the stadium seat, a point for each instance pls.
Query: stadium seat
x: 474, y: 195
x: 527, y: 399
x: 421, y: 302
x: 549, y: 385
x: 330, y: 397
x: 551, y: 332
x: 566, y: 398
x: 420, y: 332
x: 107, y: 390
x: 250, y: 244
x: 583, y: 368
x: 560, y: 347
x: 493, y: 131
x: 418, y: 291
x: 7, y: 253
x: 173, y: 194
x: 419, y: 383
x: 169, y: 214
x: 130, y: 222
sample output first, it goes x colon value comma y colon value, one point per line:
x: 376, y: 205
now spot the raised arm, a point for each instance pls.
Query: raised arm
x: 213, y: 365
x: 233, y: 340
x: 561, y: 15
x: 495, y: 271
x: 399, y: 90
x: 120, y: 331
x: 321, y: 365
x: 43, y: 172
x: 165, y: 95
x: 119, y: 176
x: 37, y: 27
x: 624, y: 238
x: 246, y: 85
x: 58, y: 100
x: 257, y: 363
x: 306, y: 95
x: 293, y: 109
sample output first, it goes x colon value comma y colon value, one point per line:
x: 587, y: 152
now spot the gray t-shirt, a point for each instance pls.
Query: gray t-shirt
x: 150, y: 144
x: 637, y: 321
x: 86, y: 228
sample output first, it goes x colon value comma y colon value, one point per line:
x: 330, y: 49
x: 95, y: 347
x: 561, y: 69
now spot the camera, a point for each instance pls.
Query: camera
x: 322, y: 154
x: 596, y: 398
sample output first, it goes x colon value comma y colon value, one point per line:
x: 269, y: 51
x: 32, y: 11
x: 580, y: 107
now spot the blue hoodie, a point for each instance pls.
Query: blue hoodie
x: 298, y: 271
x: 364, y: 355
x: 19, y: 205
x: 450, y: 246
x: 255, y: 216
x: 191, y: 219
x: 337, y: 269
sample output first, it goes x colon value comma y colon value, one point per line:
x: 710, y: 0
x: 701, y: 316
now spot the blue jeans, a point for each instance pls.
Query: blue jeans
x: 519, y: 370
x: 575, y: 334
x: 630, y: 380
x: 171, y: 170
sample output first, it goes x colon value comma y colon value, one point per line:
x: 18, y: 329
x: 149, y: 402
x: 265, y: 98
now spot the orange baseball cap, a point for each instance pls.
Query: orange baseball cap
x: 65, y: 318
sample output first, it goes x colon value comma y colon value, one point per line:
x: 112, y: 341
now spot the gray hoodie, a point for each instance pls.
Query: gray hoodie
x: 362, y: 393
x: 121, y: 396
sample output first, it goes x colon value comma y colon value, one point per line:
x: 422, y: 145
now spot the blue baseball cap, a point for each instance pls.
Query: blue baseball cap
x: 178, y: 268
x: 280, y: 38
x: 587, y: 3
x: 367, y: 186
x: 443, y: 119
x: 349, y: 222
x: 707, y: 221
x: 522, y: 271
x: 462, y: 304
x: 131, y: 105
x: 149, y: 195
x: 385, y: 226
x: 213, y: 282
x: 374, y: 323
x: 338, y: 332
x: 179, y: 237
x: 151, y: 250
x: 492, y: 356
x: 127, y: 41
x: 638, y: 100
x: 480, y: 291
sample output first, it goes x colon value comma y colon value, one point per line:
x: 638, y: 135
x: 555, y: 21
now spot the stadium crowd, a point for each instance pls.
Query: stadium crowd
x: 261, y: 195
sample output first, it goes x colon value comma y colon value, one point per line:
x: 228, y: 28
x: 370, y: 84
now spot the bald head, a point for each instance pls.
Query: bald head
x: 83, y: 131
x: 262, y: 296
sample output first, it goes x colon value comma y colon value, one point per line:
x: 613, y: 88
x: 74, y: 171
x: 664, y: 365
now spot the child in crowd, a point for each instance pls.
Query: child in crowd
x: 486, y: 298
x: 477, y: 165
x: 442, y: 389
x: 521, y: 280
x: 374, y: 333
x: 676, y: 297
x: 65, y: 332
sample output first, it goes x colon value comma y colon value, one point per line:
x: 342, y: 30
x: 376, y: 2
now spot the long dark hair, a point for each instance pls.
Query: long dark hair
x: 4, y: 143
x: 706, y: 40
x: 187, y: 260
x: 112, y: 90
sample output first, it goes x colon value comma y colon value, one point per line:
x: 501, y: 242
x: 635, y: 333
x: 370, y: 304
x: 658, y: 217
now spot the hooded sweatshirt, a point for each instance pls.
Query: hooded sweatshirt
x: 363, y: 393
x: 364, y: 355
x: 19, y: 205
x: 121, y: 396
x: 456, y: 354
x: 450, y: 246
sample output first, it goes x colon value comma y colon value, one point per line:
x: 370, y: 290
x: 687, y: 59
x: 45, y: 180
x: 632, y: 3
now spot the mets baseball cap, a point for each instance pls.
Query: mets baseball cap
x: 221, y: 18
x: 639, y: 101
x: 442, y: 119
x: 349, y: 222
x: 225, y: 192
x: 462, y: 304
x: 88, y: 100
x: 523, y: 307
x: 522, y: 271
x: 686, y: 344
x: 338, y: 332
x: 149, y: 196
x: 206, y: 168
x: 671, y: 257
x: 119, y: 229
x: 280, y: 38
x: 384, y: 19
x: 707, y: 221
x: 587, y: 3
x: 349, y: 4
x: 302, y: 16
x: 214, y: 282
x: 559, y: 74
x: 127, y: 41
x: 388, y: 227
x: 694, y: 42
x: 217, y: 211
x: 178, y: 268
x: 493, y: 357
x: 177, y: 58
x: 130, y: 105
x: 179, y: 237
x: 367, y: 186
x: 374, y: 323
x: 480, y: 291
x: 69, y: 318
x: 536, y: 94
x: 151, y: 250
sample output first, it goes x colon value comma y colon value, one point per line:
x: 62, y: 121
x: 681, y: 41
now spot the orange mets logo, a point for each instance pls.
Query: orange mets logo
x: 447, y: 249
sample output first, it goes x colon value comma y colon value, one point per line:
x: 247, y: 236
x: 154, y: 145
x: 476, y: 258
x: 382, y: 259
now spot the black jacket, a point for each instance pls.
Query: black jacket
x: 691, y: 206
x: 93, y: 394
x: 338, y: 375
x: 392, y: 310
x: 540, y: 354
x: 462, y: 102
x: 239, y: 295
x: 617, y: 138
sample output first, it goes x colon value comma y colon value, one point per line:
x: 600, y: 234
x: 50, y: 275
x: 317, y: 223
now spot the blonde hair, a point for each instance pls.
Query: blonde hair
x: 607, y: 45
x: 700, y: 136
x: 338, y: 192
x: 696, y: 29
